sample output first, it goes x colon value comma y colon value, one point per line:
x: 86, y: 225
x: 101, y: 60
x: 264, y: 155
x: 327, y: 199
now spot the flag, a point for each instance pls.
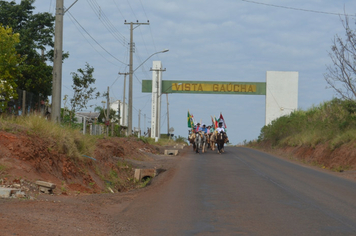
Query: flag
x: 216, y: 122
x: 189, y: 119
x: 221, y: 119
x: 212, y: 122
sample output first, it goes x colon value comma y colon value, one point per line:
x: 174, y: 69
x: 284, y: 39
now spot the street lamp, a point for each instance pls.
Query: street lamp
x: 129, y: 125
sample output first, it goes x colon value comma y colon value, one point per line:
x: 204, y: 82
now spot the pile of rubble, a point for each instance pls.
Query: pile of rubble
x: 20, y: 188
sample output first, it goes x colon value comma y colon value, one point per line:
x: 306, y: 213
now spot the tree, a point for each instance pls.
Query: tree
x: 36, y: 35
x: 341, y: 75
x: 102, y: 116
x: 10, y: 66
x: 83, y: 93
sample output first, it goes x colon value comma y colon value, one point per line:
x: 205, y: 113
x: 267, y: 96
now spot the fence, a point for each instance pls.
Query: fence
x: 26, y: 103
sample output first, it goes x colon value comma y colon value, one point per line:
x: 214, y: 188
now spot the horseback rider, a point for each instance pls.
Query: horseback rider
x: 197, y: 137
x: 220, y: 128
x: 204, y: 128
x: 197, y: 128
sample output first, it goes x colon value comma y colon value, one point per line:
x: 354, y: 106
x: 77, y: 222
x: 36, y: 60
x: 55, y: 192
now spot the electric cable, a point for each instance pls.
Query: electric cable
x: 96, y: 41
x: 70, y: 17
x: 106, y: 22
x: 296, y: 9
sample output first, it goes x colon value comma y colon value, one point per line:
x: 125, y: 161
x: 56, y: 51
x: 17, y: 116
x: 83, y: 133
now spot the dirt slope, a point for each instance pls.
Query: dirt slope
x: 73, y: 209
x: 26, y: 158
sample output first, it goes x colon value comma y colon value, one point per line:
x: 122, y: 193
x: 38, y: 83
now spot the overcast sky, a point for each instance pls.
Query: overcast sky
x: 227, y: 40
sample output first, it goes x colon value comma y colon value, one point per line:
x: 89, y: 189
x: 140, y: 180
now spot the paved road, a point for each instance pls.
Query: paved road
x: 245, y: 192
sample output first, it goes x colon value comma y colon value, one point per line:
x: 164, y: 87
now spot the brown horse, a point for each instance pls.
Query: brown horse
x: 212, y: 140
x: 221, y: 139
x: 191, y: 139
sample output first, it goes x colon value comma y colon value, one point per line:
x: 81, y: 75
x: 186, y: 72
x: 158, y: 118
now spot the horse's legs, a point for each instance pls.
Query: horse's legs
x: 204, y: 143
x: 198, y: 143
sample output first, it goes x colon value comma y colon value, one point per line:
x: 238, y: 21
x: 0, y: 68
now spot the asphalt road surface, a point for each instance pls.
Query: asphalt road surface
x: 244, y: 192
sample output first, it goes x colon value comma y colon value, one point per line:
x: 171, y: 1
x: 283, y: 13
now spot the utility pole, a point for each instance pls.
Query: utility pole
x: 57, y: 61
x: 157, y: 98
x: 129, y: 126
x: 57, y: 64
x: 108, y: 112
x: 123, y: 99
x: 144, y: 123
x: 139, y: 123
x: 169, y: 136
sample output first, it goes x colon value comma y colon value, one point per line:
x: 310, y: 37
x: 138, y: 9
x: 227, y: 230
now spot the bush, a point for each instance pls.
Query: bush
x: 332, y: 121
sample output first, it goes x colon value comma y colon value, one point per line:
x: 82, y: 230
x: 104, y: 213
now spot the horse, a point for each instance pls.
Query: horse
x: 200, y: 141
x: 191, y: 139
x: 212, y: 140
x: 204, y: 141
x: 221, y: 138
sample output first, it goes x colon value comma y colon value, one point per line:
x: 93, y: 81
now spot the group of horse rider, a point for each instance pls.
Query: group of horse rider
x: 208, y: 129
x: 205, y: 136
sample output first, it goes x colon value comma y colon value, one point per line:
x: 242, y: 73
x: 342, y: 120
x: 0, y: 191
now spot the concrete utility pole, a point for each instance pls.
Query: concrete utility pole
x: 129, y: 125
x: 156, y: 99
x: 57, y: 63
x: 108, y: 111
x: 123, y: 99
x: 144, y: 123
x: 169, y: 136
x: 139, y: 123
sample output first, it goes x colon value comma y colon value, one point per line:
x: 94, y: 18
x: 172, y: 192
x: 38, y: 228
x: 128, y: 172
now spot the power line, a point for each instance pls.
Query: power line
x: 118, y: 9
x: 96, y: 41
x: 132, y: 9
x: 296, y: 9
x: 70, y: 17
x: 106, y: 22
x: 154, y: 45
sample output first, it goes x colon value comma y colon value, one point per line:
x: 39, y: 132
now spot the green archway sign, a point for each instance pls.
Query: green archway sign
x: 207, y: 87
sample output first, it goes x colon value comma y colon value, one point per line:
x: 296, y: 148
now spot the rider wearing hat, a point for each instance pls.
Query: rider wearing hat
x: 209, y: 126
x: 197, y: 128
x: 220, y: 128
x: 204, y: 129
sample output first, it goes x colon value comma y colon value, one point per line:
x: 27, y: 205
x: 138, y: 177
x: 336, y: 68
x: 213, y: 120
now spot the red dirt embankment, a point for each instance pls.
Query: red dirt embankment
x: 27, y: 158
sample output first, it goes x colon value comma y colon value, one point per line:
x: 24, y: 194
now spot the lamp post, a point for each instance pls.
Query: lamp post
x: 129, y: 125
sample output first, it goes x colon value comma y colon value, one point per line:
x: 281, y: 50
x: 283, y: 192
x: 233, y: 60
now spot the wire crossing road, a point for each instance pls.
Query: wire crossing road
x: 244, y: 192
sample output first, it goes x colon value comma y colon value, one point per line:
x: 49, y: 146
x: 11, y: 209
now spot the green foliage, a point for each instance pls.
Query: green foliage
x: 333, y: 122
x: 2, y: 169
x: 9, y: 66
x: 83, y: 93
x: 102, y: 116
x: 180, y: 139
x: 147, y: 140
x: 145, y: 182
x: 36, y: 33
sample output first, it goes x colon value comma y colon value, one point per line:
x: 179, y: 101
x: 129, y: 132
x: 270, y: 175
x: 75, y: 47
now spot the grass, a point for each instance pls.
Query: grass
x: 64, y: 139
x: 145, y: 182
x: 332, y: 122
x: 2, y: 169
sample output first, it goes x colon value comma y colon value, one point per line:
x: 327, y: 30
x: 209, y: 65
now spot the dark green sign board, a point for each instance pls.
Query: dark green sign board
x: 210, y: 87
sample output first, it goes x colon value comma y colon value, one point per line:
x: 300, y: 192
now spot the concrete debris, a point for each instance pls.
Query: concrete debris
x: 171, y: 152
x: 11, y: 193
x: 142, y: 173
x: 45, y: 187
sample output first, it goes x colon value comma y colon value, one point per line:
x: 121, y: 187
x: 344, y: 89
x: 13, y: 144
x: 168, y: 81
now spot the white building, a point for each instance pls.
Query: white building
x: 123, y: 113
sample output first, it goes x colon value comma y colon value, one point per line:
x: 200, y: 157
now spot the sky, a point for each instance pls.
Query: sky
x: 226, y: 40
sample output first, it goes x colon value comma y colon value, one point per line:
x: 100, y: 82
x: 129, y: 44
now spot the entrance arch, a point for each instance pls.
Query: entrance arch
x: 280, y: 89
